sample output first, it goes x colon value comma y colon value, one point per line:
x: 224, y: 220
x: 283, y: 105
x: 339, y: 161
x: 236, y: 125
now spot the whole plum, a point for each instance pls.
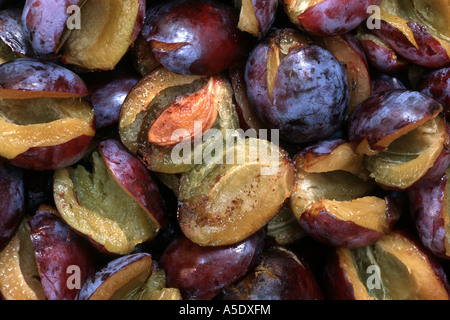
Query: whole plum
x: 309, y: 94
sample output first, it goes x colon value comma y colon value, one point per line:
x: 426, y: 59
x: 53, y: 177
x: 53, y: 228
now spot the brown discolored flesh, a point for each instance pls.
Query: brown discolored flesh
x: 224, y: 200
x: 110, y: 30
x: 281, y: 275
x: 328, y: 17
x: 397, y: 267
x: 135, y: 178
x: 57, y: 250
x: 201, y: 272
x: 44, y: 23
x: 333, y: 197
x: 26, y: 78
x: 12, y: 207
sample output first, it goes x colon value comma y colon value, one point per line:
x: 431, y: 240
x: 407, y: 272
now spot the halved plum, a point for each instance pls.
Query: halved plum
x: 418, y: 30
x: 132, y: 276
x: 397, y: 267
x: 281, y: 275
x: 57, y: 249
x: 175, y: 113
x: 200, y: 272
x: 45, y: 123
x: 403, y: 136
x: 19, y: 274
x: 333, y: 197
x: 328, y: 17
x: 224, y: 200
x: 109, y: 30
x: 116, y: 206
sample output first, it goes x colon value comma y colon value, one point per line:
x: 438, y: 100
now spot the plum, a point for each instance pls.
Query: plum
x: 328, y: 17
x: 57, y: 249
x: 417, y: 30
x: 397, y: 267
x: 198, y: 37
x: 12, y: 207
x: 257, y: 16
x: 202, y: 272
x: 281, y: 275
x: 403, y: 136
x: 13, y: 41
x: 300, y: 89
x: 44, y: 23
x: 436, y: 84
x: 334, y: 199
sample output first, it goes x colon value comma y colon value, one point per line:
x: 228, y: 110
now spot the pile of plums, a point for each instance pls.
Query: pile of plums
x: 224, y: 150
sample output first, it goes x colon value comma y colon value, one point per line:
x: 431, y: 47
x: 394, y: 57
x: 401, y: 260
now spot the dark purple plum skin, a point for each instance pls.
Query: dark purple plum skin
x: 430, y: 52
x: 94, y: 281
x: 265, y: 12
x: 436, y: 84
x: 381, y: 82
x: 427, y: 207
x: 382, y: 58
x: 387, y: 112
x: 56, y: 248
x: 281, y: 275
x: 108, y: 92
x: 202, y: 36
x: 202, y: 272
x: 310, y: 96
x: 33, y: 75
x: 12, y: 206
x: 131, y: 173
x: 44, y: 23
x: 334, y: 17
x: 12, y: 34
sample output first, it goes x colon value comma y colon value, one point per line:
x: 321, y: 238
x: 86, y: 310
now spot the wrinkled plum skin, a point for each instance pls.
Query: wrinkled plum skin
x: 12, y: 34
x: 310, y: 97
x: 265, y: 11
x: 436, y: 85
x: 12, y: 205
x: 202, y: 272
x: 202, y: 36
